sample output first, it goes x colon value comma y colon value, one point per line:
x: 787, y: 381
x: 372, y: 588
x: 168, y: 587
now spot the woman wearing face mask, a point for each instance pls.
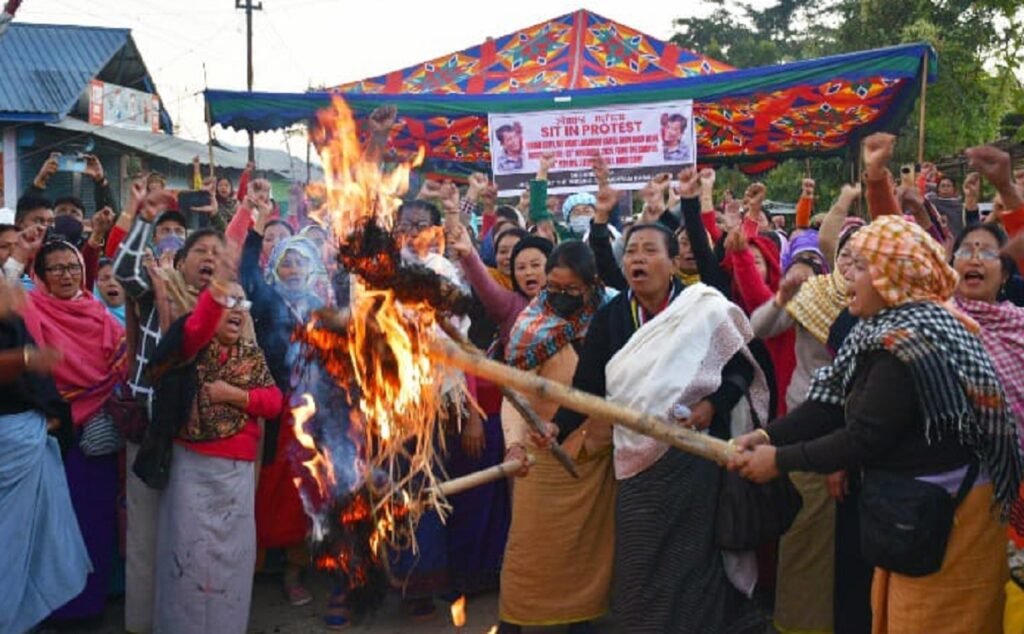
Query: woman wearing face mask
x: 294, y: 284
x: 207, y: 528
x: 562, y: 528
x: 60, y: 313
x: 913, y: 400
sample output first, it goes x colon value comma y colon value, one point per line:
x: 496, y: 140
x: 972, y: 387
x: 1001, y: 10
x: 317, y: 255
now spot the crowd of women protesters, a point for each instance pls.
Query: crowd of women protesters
x: 869, y: 358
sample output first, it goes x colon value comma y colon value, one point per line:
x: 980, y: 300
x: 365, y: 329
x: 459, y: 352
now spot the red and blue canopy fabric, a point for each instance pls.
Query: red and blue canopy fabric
x: 750, y: 117
x: 579, y: 50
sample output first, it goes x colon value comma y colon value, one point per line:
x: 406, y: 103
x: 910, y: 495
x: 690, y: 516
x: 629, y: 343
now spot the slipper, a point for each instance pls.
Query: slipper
x: 298, y: 596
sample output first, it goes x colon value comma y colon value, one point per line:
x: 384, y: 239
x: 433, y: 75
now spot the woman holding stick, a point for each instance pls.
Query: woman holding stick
x: 558, y: 560
x: 665, y: 350
x: 913, y: 400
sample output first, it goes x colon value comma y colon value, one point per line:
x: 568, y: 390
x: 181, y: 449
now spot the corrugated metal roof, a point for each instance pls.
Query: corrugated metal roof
x: 44, y: 68
x: 181, y: 151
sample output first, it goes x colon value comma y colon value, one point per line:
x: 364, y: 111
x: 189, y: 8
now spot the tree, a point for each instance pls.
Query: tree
x: 980, y: 45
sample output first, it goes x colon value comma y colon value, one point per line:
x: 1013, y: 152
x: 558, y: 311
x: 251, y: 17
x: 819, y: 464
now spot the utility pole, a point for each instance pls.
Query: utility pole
x: 249, y: 8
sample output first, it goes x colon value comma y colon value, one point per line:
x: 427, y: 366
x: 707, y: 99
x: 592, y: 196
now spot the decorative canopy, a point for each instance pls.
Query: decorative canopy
x: 751, y: 116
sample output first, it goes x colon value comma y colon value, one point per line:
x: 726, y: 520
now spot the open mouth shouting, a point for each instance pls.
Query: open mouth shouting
x: 973, y: 278
x: 638, y: 273
x: 206, y: 271
x: 531, y: 285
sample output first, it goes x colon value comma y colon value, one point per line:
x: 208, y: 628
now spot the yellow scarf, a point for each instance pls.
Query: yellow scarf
x: 818, y: 303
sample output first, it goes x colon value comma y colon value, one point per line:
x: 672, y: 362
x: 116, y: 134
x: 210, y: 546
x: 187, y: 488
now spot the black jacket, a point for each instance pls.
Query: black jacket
x: 880, y: 427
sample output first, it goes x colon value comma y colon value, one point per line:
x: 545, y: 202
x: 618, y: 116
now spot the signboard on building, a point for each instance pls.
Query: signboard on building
x: 113, y: 105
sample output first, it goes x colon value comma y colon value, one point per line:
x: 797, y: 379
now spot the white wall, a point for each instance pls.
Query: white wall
x: 10, y: 167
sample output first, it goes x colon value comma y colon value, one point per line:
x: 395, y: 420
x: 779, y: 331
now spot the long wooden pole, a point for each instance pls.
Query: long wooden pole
x: 479, y: 478
x: 924, y: 101
x: 516, y: 401
x: 688, y: 440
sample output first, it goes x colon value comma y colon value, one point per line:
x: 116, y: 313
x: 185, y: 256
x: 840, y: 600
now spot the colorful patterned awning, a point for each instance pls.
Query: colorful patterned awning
x: 575, y: 51
x: 751, y: 116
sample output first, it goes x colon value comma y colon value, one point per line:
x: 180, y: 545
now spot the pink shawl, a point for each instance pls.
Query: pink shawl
x: 1002, y: 333
x: 93, y: 343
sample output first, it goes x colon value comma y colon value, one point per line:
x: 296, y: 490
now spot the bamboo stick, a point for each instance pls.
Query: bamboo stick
x: 680, y: 437
x: 515, y: 400
x: 484, y: 476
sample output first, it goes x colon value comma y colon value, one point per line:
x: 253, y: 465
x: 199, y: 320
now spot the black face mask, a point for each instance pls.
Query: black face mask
x: 565, y: 305
x: 67, y: 227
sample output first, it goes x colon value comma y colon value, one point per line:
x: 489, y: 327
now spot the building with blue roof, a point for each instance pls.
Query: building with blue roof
x: 85, y: 89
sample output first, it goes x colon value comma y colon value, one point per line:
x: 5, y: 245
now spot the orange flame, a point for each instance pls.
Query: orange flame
x: 356, y: 187
x: 320, y: 466
x: 386, y: 342
x: 459, y: 612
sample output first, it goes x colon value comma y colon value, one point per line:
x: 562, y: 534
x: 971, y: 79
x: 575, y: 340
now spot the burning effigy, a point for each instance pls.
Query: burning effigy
x: 376, y: 352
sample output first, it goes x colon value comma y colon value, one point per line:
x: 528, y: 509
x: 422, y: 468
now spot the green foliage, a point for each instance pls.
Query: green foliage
x: 980, y: 44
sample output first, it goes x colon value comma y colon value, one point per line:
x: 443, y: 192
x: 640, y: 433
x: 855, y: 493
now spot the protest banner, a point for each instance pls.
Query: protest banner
x: 637, y: 141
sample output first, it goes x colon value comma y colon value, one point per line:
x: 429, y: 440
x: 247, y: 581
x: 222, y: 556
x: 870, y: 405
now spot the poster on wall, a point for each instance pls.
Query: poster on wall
x: 637, y: 141
x: 113, y: 105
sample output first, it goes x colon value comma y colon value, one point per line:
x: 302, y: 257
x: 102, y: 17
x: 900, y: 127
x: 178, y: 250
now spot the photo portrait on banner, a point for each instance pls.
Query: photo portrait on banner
x: 637, y: 141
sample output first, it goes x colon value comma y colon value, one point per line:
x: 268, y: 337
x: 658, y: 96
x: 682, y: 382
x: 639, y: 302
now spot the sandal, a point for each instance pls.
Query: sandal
x: 337, y: 617
x: 297, y: 595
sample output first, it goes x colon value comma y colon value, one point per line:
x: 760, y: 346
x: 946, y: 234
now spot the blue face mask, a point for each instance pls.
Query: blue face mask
x: 171, y: 244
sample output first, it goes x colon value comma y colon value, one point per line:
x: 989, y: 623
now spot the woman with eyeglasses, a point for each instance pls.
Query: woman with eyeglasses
x: 983, y: 272
x: 61, y: 313
x: 218, y: 388
x: 558, y: 560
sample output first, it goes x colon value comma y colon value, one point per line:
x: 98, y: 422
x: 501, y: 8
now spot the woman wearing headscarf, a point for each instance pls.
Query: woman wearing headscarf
x: 109, y: 291
x: 206, y: 544
x: 61, y: 313
x: 662, y: 349
x: 294, y: 284
x: 44, y: 559
x: 562, y: 528
x: 912, y: 394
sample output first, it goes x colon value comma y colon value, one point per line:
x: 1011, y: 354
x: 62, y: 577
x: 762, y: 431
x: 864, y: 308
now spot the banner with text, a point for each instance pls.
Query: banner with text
x: 637, y: 143
x: 120, y: 107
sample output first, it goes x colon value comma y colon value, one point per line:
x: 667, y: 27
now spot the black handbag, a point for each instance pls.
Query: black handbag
x: 750, y: 514
x: 905, y: 523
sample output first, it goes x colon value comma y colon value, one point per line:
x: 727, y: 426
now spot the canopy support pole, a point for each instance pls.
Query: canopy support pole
x: 924, y: 103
